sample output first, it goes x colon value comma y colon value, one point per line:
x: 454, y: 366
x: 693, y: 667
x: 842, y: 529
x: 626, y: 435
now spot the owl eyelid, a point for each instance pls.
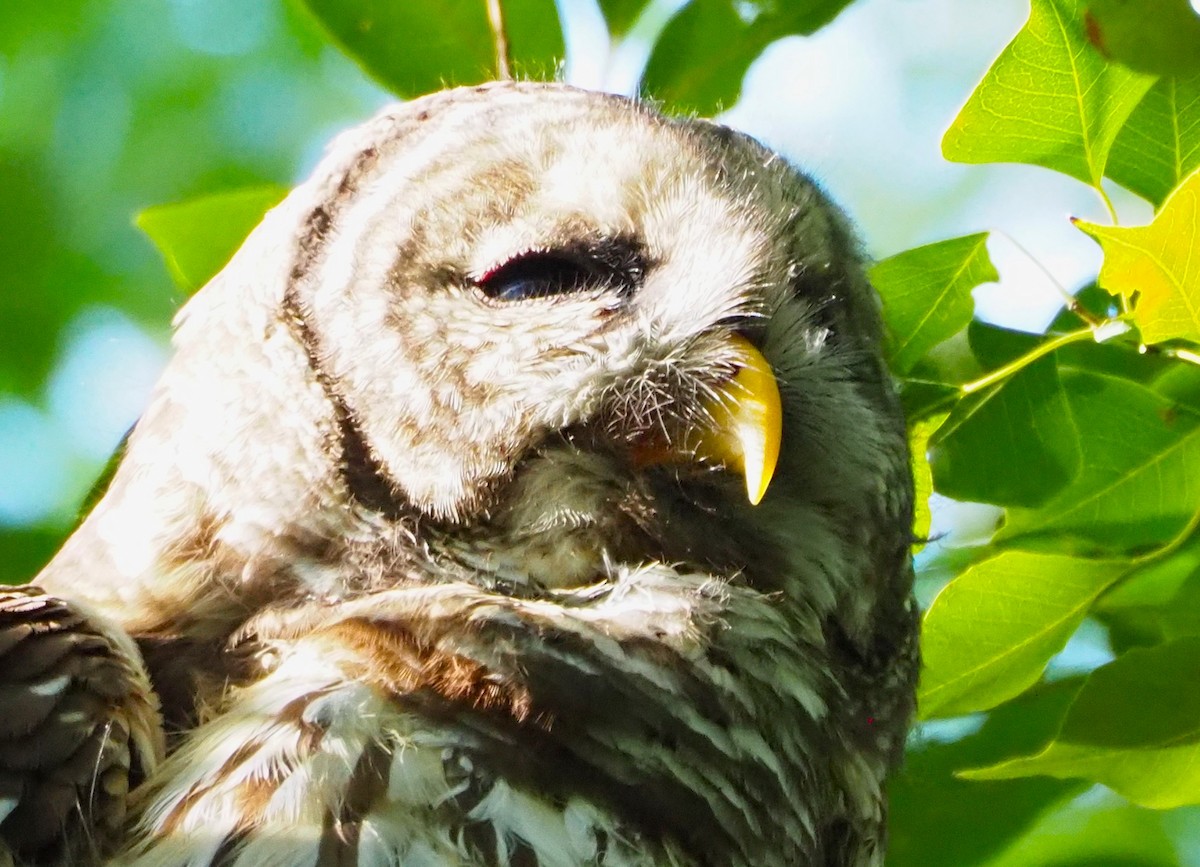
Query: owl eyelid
x: 542, y: 273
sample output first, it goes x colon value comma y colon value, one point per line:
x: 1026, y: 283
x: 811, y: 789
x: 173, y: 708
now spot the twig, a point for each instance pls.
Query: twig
x: 1069, y: 301
x: 495, y: 10
x: 1025, y: 360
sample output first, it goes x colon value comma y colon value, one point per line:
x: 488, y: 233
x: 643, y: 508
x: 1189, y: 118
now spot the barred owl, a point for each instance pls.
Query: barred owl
x: 441, y: 542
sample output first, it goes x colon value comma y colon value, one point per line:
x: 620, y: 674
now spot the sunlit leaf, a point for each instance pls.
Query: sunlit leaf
x: 1135, y: 727
x: 1157, y: 36
x: 414, y: 48
x: 991, y: 631
x: 1160, y: 143
x: 1140, y: 456
x: 927, y: 294
x: 1099, y: 829
x: 1024, y: 422
x: 938, y: 820
x: 699, y: 61
x: 1159, y: 264
x: 918, y: 443
x: 197, y: 237
x: 1050, y: 99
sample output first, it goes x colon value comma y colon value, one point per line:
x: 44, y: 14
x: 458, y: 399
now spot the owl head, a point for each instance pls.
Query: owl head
x: 505, y: 316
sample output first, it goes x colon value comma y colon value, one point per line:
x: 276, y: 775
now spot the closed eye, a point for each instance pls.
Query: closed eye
x: 613, y: 264
x: 540, y: 275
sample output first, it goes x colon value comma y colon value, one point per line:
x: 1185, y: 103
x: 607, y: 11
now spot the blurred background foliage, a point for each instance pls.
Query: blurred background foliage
x: 107, y: 107
x: 112, y: 107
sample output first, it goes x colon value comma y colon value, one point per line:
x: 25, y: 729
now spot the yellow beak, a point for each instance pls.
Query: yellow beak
x: 742, y: 428
x: 747, y: 422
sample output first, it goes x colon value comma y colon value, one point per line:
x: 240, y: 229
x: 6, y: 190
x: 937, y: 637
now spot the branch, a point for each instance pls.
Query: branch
x: 495, y: 10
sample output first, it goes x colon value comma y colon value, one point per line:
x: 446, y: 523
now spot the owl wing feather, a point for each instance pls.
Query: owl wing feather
x: 79, y: 729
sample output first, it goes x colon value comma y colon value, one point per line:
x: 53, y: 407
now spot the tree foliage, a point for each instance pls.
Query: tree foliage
x: 1086, y: 437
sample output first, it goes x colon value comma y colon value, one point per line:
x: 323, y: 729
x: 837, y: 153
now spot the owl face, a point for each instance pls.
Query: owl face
x: 514, y: 315
x: 557, y: 272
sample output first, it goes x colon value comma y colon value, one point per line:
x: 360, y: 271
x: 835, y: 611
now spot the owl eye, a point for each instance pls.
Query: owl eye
x: 617, y: 264
x: 540, y: 275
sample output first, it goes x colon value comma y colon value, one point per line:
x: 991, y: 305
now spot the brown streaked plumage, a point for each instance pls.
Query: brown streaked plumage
x: 79, y: 727
x: 419, y: 550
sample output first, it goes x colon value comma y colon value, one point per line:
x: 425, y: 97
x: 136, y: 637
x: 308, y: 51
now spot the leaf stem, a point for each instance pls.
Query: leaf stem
x: 1122, y: 298
x: 1182, y: 354
x: 1025, y: 360
x: 1069, y: 300
x: 495, y: 10
x: 1108, y: 204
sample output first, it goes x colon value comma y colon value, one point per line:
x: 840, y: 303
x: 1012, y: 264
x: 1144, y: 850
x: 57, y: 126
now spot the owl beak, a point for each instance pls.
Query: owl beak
x: 741, y: 428
x: 746, y: 422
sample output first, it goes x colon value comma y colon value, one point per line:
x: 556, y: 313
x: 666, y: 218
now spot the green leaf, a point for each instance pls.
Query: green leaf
x: 703, y: 53
x: 1157, y: 603
x: 1156, y: 36
x: 1179, y: 382
x: 1050, y: 99
x: 1160, y: 582
x: 1157, y: 265
x: 924, y: 398
x: 1024, y: 422
x: 1099, y: 830
x: 413, y: 48
x: 938, y: 820
x: 197, y: 237
x: 918, y: 443
x: 1140, y: 456
x: 1135, y: 727
x: 620, y: 15
x: 25, y: 550
x: 927, y: 294
x: 991, y: 631
x: 1160, y: 143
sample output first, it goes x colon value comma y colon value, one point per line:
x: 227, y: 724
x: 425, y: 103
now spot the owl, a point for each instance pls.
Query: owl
x: 529, y: 489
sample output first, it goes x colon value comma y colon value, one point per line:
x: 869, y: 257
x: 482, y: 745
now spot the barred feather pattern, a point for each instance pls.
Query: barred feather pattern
x: 79, y: 728
x: 381, y: 742
x: 403, y: 590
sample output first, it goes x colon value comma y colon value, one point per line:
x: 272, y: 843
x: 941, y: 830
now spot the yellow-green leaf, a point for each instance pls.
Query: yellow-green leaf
x: 414, y: 48
x: 197, y: 237
x: 918, y: 443
x: 1159, y: 264
x: 990, y: 632
x: 1135, y: 727
x: 926, y: 294
x: 1050, y: 99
